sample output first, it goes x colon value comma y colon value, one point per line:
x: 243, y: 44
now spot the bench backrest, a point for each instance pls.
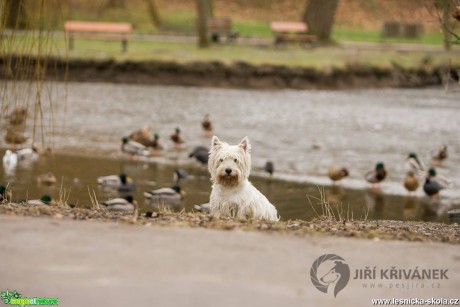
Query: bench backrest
x: 288, y: 27
x: 101, y: 27
x: 220, y: 24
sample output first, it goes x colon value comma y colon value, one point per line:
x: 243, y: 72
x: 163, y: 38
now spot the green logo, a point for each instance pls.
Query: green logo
x: 15, y: 298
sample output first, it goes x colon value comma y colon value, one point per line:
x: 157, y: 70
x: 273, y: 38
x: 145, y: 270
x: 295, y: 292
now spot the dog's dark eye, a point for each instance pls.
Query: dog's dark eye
x: 221, y: 160
x: 235, y: 160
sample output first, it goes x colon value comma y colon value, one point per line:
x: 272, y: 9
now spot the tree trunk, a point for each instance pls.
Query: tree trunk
x: 210, y: 5
x: 446, y: 7
x: 319, y: 16
x: 153, y: 12
x: 14, y: 15
x: 202, y: 23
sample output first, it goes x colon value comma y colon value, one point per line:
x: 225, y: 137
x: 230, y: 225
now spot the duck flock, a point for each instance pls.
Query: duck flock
x: 144, y: 143
x: 417, y: 175
x: 140, y: 143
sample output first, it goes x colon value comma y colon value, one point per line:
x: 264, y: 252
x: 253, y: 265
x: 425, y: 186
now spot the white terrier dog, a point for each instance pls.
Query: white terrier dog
x: 232, y: 193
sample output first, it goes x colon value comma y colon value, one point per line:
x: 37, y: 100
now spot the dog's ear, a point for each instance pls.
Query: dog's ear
x: 215, y: 141
x: 245, y: 144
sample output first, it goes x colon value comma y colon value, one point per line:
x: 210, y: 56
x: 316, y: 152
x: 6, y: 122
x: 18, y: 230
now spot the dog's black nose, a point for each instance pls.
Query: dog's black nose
x: 228, y: 170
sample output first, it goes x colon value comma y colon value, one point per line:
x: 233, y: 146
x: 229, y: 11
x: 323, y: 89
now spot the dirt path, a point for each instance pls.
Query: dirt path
x: 110, y: 264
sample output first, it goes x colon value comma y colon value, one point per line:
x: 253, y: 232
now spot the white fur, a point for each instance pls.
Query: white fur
x: 232, y: 194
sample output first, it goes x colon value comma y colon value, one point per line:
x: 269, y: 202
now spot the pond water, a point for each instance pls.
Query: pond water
x: 355, y: 128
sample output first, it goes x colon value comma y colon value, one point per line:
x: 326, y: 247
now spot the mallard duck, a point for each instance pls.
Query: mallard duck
x: 337, y: 173
x: 178, y: 175
x: 142, y: 136
x: 121, y: 182
x: 176, y: 138
x: 5, y: 194
x: 10, y: 159
x: 156, y: 143
x: 411, y: 182
x: 203, y: 207
x: 47, y: 179
x: 439, y: 155
x: 45, y: 200
x: 434, y: 183
x: 415, y: 165
x: 377, y: 175
x: 133, y: 148
x: 172, y: 194
x: 269, y: 167
x: 207, y: 126
x: 432, y: 187
x: 206, y: 123
x: 201, y: 154
x: 126, y: 203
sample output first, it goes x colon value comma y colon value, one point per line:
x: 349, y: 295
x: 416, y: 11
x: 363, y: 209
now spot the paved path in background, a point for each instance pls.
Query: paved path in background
x: 110, y: 264
x: 260, y: 41
x: 268, y: 41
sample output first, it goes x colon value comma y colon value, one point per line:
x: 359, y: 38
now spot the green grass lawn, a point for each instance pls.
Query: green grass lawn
x: 292, y: 55
x: 372, y: 36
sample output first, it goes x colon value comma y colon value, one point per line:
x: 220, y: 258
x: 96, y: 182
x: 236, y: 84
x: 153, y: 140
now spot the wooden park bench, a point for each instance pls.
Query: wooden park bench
x: 296, y: 32
x: 222, y: 27
x: 396, y: 29
x: 99, y: 30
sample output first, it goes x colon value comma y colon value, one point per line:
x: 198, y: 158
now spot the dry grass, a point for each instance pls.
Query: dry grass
x: 335, y: 212
x: 383, y: 230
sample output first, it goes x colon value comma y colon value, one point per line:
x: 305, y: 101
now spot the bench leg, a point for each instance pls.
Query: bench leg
x: 215, y: 38
x: 71, y: 42
x: 279, y: 40
x: 124, y: 45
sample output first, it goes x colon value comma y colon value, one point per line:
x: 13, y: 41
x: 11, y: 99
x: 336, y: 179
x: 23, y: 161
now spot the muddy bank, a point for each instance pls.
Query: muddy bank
x: 365, y: 229
x: 216, y: 74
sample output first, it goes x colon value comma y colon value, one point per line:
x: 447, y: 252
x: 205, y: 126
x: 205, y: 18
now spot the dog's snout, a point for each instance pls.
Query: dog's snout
x: 228, y: 170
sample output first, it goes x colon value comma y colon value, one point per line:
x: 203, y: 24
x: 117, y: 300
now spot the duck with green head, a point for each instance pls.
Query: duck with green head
x: 45, y: 200
x: 415, y: 165
x: 377, y: 175
x: 126, y: 203
x: 122, y: 182
x: 178, y: 141
x: 156, y: 146
x: 434, y: 183
x: 133, y: 148
x: 170, y: 197
x: 156, y: 142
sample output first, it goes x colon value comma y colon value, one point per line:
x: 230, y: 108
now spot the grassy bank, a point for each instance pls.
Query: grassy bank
x: 186, y: 51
